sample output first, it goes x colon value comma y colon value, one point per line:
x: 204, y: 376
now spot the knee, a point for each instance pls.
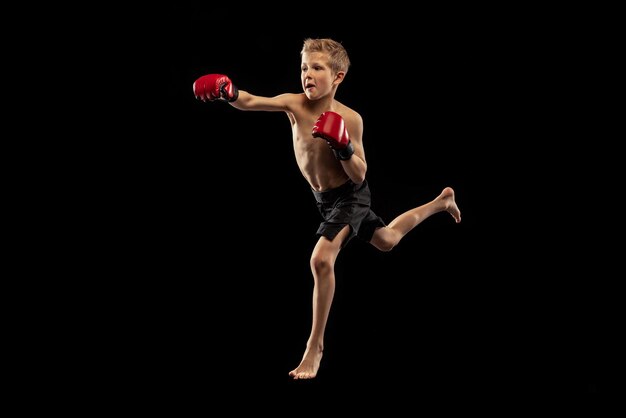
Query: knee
x: 385, y: 239
x: 385, y: 245
x: 320, y: 265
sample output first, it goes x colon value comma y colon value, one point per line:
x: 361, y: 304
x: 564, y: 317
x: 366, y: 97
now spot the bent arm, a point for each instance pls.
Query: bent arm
x: 247, y: 101
x: 356, y: 167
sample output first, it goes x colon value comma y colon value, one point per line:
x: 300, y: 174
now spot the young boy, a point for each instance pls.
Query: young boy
x: 328, y: 145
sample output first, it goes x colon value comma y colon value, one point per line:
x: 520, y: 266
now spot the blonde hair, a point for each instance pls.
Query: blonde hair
x: 337, y: 54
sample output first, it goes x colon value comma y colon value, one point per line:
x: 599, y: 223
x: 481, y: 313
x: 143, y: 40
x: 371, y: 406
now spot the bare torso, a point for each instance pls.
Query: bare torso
x: 313, y: 155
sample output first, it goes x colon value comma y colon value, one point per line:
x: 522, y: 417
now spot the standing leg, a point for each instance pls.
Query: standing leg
x: 323, y: 268
x: 388, y: 237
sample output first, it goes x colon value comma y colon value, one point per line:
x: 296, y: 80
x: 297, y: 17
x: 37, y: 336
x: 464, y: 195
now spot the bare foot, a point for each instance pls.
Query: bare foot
x: 447, y: 196
x: 308, y: 366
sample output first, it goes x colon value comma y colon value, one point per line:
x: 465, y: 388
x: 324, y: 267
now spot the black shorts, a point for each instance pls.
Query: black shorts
x: 348, y: 204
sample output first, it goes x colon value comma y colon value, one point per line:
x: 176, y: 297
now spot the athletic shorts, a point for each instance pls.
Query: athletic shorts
x: 348, y: 204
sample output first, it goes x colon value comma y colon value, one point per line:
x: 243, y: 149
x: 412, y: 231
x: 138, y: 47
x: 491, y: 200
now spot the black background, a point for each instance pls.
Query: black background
x: 221, y: 223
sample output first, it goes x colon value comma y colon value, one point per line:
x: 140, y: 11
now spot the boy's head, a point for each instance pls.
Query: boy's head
x: 337, y: 55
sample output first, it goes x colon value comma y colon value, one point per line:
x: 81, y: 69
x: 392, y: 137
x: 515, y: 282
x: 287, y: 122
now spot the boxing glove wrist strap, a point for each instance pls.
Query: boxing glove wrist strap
x: 225, y: 94
x: 344, y: 153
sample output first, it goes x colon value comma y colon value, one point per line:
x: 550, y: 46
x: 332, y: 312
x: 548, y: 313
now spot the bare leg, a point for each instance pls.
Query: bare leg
x: 388, y: 237
x: 323, y: 267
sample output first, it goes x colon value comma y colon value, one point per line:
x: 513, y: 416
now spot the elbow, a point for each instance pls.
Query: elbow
x: 359, y: 175
x: 358, y: 178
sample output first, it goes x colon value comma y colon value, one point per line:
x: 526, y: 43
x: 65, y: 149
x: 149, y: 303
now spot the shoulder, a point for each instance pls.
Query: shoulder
x: 354, y: 121
x: 292, y: 101
x: 293, y: 97
x: 351, y: 116
x: 346, y: 112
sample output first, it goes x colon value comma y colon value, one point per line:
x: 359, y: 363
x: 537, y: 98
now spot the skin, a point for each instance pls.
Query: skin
x: 323, y: 171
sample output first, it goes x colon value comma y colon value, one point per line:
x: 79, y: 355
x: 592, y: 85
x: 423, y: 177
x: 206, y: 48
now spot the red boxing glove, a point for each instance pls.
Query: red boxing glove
x: 215, y: 87
x: 331, y: 127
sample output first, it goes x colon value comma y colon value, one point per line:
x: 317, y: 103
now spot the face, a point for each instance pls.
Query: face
x: 316, y: 75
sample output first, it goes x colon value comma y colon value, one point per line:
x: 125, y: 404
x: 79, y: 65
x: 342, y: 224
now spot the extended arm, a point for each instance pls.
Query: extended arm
x: 213, y: 87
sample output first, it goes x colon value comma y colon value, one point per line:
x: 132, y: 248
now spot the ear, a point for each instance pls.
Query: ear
x: 339, y: 77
